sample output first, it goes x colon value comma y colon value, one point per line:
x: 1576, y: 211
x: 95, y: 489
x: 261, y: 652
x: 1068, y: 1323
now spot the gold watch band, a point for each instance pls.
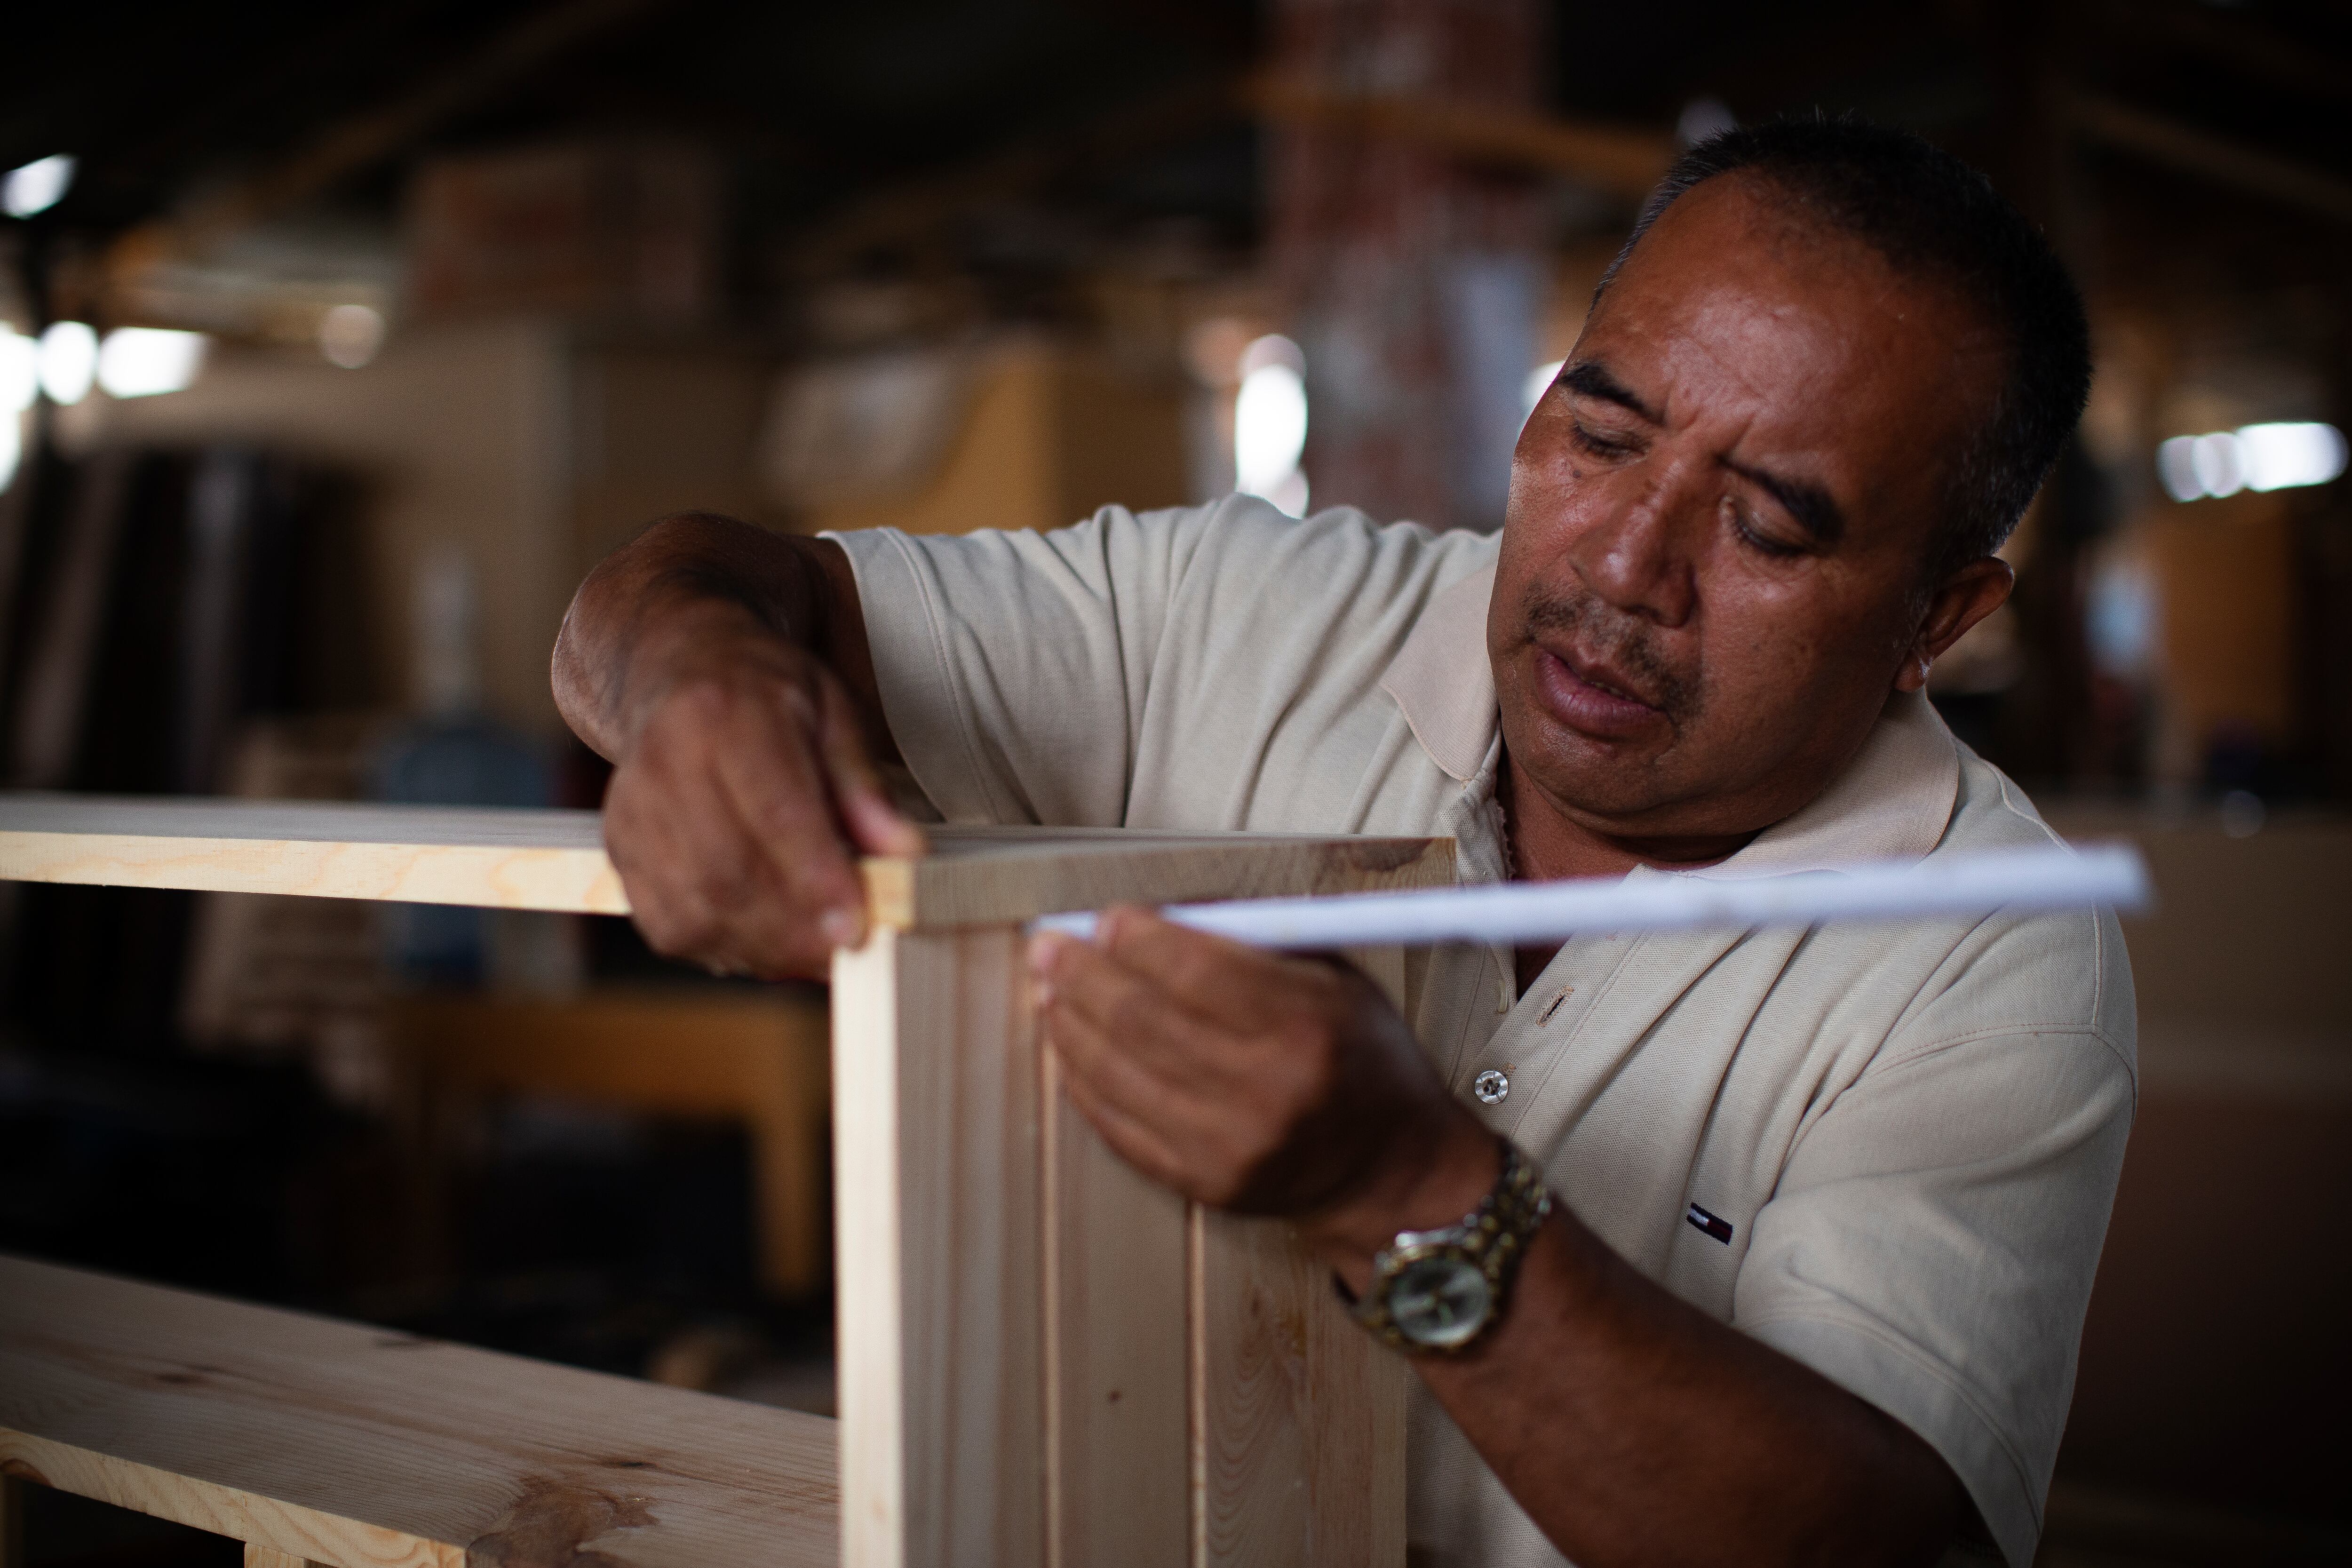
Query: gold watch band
x: 1491, y: 1239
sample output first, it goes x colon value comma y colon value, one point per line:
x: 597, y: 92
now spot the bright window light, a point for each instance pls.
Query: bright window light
x: 140, y: 361
x: 2283, y: 456
x: 68, y: 361
x: 11, y: 447
x: 1270, y: 424
x: 2215, y: 461
x: 1539, y: 382
x: 20, y: 371
x: 2273, y: 457
x: 37, y: 186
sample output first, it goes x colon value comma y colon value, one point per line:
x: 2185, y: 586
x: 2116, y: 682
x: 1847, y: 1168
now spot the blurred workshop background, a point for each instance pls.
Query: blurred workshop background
x: 337, y: 342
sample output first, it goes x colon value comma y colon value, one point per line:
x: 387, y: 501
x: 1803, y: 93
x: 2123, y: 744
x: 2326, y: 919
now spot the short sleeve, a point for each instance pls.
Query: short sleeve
x: 1024, y: 674
x: 1013, y: 666
x: 1931, y: 1242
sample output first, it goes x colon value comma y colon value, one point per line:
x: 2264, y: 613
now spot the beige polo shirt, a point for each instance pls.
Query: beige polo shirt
x: 1887, y: 1149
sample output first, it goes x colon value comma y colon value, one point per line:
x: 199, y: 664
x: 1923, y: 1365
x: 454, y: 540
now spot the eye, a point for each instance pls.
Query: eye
x: 1753, y: 534
x: 1598, y: 444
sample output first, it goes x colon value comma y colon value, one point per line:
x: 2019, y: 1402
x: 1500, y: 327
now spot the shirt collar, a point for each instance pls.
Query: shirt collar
x: 1443, y: 681
x: 1891, y: 803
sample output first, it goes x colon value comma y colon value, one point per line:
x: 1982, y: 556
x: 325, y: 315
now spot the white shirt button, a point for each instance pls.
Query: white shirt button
x: 1491, y: 1087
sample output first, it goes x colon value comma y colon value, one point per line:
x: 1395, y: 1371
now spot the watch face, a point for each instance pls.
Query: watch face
x: 1441, y: 1300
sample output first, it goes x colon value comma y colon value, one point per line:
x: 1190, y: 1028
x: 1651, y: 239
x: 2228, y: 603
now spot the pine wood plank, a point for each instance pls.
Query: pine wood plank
x: 555, y: 860
x: 1301, y: 1414
x: 1297, y: 1429
x: 937, y: 1261
x: 1118, y: 1350
x: 980, y: 876
x: 358, y: 1447
x: 259, y: 1556
x: 492, y: 859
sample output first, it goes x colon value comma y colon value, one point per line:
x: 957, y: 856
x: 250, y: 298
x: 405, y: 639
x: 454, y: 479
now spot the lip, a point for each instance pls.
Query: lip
x: 1590, y: 698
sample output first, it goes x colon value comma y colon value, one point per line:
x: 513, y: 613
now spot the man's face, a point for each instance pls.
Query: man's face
x: 1712, y: 560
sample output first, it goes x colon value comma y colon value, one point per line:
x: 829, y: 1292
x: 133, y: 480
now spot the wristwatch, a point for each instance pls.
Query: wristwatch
x: 1436, y: 1291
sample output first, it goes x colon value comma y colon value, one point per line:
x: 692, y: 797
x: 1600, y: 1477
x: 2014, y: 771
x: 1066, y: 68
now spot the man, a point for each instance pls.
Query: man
x: 1799, y: 1226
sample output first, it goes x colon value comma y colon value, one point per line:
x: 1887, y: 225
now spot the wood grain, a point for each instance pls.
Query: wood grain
x: 359, y: 1448
x: 986, y: 875
x: 1297, y: 1416
x: 937, y: 1261
x: 1118, y: 1351
x: 1301, y: 1414
x: 259, y: 1556
x: 555, y: 860
x: 487, y: 857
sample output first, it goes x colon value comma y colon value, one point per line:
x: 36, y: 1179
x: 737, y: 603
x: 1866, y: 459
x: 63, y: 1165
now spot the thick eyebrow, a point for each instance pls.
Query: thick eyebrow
x: 1811, y: 505
x: 1590, y: 378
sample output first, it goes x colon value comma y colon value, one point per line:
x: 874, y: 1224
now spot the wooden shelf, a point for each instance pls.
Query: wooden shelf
x: 357, y: 1447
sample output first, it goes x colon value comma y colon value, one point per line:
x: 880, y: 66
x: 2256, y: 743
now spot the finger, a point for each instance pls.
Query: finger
x: 1131, y: 1137
x: 1239, y: 988
x: 691, y: 872
x: 775, y: 784
x: 731, y: 793
x: 1206, y: 1146
x: 875, y: 824
x: 1130, y: 1007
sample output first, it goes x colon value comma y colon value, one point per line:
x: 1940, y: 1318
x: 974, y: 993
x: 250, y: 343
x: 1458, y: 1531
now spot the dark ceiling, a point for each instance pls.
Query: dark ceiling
x: 818, y: 105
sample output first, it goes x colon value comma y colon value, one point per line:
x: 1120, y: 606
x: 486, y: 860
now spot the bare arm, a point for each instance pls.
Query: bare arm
x: 1632, y: 1427
x: 725, y: 673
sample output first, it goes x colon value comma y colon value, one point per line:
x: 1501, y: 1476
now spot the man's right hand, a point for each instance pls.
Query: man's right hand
x: 743, y: 788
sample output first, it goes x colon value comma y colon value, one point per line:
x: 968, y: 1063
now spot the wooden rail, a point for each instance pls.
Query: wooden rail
x: 1043, y: 1358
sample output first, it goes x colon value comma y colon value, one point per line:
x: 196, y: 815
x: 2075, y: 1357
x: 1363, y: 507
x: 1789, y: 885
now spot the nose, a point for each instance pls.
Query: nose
x: 1635, y: 552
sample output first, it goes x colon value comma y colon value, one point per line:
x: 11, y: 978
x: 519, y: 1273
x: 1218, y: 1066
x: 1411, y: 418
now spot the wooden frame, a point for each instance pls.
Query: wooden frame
x: 1044, y: 1359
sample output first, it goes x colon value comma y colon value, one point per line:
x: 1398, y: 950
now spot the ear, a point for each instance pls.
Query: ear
x: 1961, y: 601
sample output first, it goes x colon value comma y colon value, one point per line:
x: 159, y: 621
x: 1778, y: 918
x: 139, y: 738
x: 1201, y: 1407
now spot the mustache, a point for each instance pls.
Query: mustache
x: 1623, y: 642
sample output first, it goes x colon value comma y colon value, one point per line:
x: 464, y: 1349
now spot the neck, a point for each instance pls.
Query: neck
x: 1546, y: 842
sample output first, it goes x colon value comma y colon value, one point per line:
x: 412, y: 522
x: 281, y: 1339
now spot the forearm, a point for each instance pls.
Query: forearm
x: 1634, y: 1428
x: 697, y: 587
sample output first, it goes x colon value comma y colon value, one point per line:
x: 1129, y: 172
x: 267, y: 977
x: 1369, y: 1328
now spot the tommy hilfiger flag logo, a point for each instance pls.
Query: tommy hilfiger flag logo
x: 1718, y: 1228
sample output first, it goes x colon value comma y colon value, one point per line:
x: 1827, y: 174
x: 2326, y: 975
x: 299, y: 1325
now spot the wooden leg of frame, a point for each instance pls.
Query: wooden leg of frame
x: 937, y: 1252
x: 1117, y: 1422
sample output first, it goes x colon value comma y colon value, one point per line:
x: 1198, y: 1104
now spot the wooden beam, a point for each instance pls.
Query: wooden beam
x: 497, y: 860
x: 555, y: 860
x: 1626, y: 162
x: 360, y: 1448
x: 364, y: 139
x: 2215, y: 158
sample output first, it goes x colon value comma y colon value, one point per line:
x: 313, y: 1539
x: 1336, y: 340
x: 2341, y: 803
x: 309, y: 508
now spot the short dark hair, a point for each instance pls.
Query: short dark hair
x: 1930, y: 214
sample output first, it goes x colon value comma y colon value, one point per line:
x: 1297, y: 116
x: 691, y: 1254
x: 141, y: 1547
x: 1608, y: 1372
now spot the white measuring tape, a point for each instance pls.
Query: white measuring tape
x: 1510, y: 914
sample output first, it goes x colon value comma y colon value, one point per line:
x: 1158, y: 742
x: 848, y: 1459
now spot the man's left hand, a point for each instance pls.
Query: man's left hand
x: 1255, y: 1081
